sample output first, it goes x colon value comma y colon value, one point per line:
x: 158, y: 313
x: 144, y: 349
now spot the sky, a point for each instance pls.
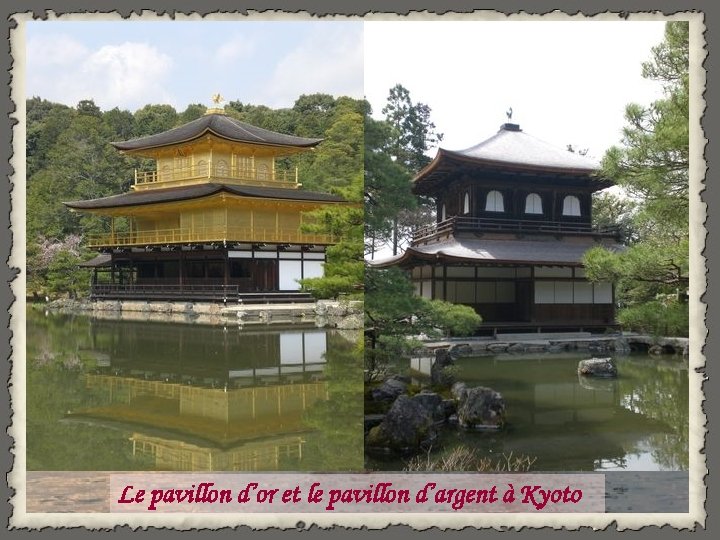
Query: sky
x: 128, y: 64
x: 567, y: 82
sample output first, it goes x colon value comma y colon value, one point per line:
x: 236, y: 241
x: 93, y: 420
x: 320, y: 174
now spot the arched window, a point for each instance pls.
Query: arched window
x: 263, y: 172
x: 222, y: 168
x: 571, y: 206
x: 201, y: 168
x: 494, y: 202
x: 443, y: 213
x: 466, y: 203
x: 533, y: 204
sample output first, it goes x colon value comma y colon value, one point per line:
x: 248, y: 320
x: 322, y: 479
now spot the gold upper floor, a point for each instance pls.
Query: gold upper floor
x: 215, y: 160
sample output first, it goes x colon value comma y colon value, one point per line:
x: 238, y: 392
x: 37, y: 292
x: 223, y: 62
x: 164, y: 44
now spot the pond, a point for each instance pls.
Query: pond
x: 637, y: 422
x: 128, y: 395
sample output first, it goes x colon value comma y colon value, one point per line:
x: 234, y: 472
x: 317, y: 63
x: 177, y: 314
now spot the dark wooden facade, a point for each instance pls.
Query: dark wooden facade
x: 207, y: 272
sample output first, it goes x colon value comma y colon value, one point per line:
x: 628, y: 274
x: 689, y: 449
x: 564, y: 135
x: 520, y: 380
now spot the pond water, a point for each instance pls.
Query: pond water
x: 637, y: 422
x: 128, y: 395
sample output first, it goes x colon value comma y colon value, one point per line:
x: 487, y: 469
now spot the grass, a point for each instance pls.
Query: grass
x: 467, y: 459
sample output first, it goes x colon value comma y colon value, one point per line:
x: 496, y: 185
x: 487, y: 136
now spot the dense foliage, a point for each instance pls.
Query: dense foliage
x: 394, y: 316
x: 652, y: 165
x: 69, y: 157
x: 395, y: 151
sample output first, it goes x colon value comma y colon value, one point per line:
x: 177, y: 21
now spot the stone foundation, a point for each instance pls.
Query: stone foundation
x: 345, y: 315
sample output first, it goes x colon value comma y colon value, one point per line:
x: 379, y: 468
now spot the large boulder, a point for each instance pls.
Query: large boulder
x: 597, y: 367
x: 458, y: 390
x: 390, y: 389
x: 439, y: 374
x: 406, y: 428
x: 432, y: 403
x: 460, y: 349
x: 621, y: 346
x: 481, y: 408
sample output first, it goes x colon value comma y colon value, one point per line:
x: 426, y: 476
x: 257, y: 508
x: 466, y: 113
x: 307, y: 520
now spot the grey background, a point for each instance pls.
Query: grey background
x: 325, y: 7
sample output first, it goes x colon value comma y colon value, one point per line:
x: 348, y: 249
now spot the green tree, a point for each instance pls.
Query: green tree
x: 387, y: 186
x: 393, y: 314
x: 45, y: 122
x: 314, y: 113
x: 80, y: 165
x: 121, y: 123
x: 412, y: 134
x: 152, y: 119
x: 64, y: 275
x: 345, y: 268
x: 192, y: 112
x: 615, y: 211
x: 652, y: 165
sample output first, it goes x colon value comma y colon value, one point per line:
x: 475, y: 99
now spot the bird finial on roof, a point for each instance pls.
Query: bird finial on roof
x: 217, y: 99
x: 509, y: 113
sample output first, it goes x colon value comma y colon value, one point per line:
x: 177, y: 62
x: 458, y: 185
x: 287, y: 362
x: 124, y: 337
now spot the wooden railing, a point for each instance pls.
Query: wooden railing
x: 456, y: 225
x: 226, y: 293
x: 207, y: 235
x: 213, y: 291
x: 276, y: 177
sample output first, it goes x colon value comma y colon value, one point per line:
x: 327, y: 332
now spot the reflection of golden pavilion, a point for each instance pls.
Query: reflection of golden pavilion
x: 265, y: 455
x: 193, y: 428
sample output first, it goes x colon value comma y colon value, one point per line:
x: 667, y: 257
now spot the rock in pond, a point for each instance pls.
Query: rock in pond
x: 407, y: 427
x: 598, y: 367
x: 458, y: 390
x: 439, y: 376
x: 481, y: 408
x: 432, y: 403
x: 390, y: 389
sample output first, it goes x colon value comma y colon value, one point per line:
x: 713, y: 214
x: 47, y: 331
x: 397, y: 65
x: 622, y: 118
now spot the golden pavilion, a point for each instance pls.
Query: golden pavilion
x: 217, y: 218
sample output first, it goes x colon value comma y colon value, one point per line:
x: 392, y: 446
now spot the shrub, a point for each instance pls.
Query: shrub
x: 658, y: 318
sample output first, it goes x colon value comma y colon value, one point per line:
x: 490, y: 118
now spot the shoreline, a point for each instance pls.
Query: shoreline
x: 340, y: 314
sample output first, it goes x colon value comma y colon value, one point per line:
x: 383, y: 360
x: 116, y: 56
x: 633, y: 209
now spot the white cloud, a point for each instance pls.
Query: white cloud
x: 128, y: 75
x: 330, y: 61
x: 54, y: 50
x: 237, y: 48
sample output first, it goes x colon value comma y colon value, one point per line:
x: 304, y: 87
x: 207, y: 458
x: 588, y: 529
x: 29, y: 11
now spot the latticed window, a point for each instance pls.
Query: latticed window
x: 533, y: 204
x: 494, y: 202
x: 571, y: 206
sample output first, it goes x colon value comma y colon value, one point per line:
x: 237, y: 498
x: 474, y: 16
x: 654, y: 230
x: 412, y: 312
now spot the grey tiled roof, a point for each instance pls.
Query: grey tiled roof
x: 510, y: 153
x: 184, y: 193
x: 222, y: 126
x: 104, y: 259
x: 549, y: 251
x: 513, y: 146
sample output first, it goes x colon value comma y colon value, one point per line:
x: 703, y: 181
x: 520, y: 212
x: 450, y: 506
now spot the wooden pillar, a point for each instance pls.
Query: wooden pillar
x: 226, y: 271
x: 181, y: 269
